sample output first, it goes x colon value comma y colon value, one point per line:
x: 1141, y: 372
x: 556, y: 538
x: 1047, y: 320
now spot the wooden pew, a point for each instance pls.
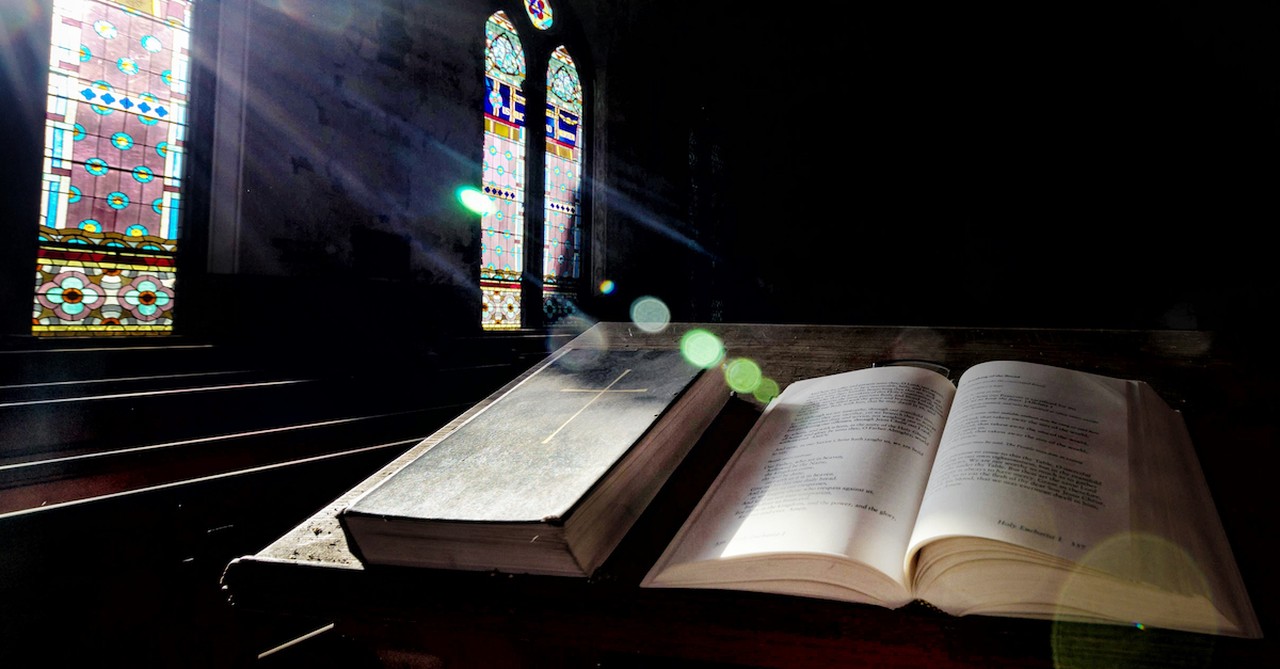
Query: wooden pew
x: 115, y: 529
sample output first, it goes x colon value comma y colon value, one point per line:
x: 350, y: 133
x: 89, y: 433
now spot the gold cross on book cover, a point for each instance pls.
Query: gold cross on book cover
x: 550, y: 476
x: 597, y: 395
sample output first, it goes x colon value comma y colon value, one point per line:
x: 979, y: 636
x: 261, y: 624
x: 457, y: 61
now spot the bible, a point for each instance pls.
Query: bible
x: 550, y: 475
x: 1021, y: 490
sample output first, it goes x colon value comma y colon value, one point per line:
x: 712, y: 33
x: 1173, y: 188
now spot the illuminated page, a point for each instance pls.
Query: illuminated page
x: 1032, y: 455
x: 836, y: 466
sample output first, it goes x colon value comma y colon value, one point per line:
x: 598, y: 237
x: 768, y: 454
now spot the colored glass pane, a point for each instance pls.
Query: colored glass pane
x: 539, y: 12
x: 111, y: 198
x: 502, y: 228
x: 562, y: 234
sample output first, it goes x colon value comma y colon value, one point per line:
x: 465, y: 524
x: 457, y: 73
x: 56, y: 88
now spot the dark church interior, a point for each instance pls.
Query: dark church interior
x: 1096, y: 166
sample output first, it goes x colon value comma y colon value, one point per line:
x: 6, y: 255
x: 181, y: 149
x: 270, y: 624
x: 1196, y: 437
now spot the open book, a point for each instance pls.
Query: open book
x: 1023, y: 490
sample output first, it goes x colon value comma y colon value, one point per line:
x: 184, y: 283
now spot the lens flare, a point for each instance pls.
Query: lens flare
x: 476, y: 201
x: 1078, y: 645
x: 701, y: 348
x: 650, y: 314
x: 606, y: 287
x: 743, y: 375
x: 766, y: 391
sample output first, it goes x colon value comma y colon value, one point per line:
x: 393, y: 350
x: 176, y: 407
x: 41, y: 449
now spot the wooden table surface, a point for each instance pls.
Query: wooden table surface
x: 428, y: 617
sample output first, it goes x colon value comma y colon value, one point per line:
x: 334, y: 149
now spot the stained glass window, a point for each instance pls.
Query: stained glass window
x: 539, y: 12
x: 562, y: 250
x: 502, y: 229
x: 114, y: 146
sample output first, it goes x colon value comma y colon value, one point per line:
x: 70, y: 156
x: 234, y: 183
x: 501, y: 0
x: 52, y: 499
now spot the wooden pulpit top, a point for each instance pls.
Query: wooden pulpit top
x: 523, y: 620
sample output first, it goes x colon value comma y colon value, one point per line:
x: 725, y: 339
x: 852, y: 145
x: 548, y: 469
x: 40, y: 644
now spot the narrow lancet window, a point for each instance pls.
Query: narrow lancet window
x: 115, y: 131
x: 502, y: 229
x: 562, y: 234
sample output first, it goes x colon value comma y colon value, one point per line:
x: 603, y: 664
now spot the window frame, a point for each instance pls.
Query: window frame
x: 538, y: 46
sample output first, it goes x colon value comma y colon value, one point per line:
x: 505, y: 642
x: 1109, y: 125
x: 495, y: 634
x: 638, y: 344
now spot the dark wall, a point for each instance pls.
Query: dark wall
x: 1005, y: 164
x: 24, y: 67
x: 359, y: 126
x: 360, y: 129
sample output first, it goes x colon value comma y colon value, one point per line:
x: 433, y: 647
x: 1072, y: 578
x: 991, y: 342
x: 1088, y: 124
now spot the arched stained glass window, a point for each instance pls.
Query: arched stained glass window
x: 114, y: 145
x: 539, y: 12
x: 562, y: 250
x: 502, y: 229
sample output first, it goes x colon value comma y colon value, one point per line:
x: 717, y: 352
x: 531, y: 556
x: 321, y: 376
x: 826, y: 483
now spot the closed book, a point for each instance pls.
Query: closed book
x: 548, y: 478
